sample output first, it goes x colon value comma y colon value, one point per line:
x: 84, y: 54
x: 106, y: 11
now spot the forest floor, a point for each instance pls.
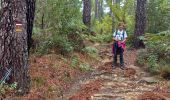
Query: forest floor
x: 52, y: 78
x: 105, y: 83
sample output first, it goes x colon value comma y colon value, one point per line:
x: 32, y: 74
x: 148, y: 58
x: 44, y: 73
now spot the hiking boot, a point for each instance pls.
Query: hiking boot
x: 122, y: 66
x: 113, y: 66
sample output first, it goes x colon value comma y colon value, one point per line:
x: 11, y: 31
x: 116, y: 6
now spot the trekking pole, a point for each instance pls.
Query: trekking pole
x: 7, y: 74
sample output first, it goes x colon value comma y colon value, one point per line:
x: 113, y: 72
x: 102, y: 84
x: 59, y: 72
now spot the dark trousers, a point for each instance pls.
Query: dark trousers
x: 118, y: 51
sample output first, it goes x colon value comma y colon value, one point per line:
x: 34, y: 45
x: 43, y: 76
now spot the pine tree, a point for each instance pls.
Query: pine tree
x: 30, y: 19
x: 140, y: 23
x: 87, y: 13
x: 16, y: 22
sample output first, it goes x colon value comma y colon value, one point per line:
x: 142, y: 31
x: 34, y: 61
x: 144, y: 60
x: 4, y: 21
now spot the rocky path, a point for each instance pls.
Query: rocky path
x: 104, y: 83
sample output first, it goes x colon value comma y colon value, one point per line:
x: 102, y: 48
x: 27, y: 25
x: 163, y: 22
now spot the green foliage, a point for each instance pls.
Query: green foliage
x: 74, y: 62
x: 91, y: 51
x: 156, y: 55
x: 60, y: 16
x: 130, y: 24
x: 104, y: 37
x: 103, y: 30
x: 62, y: 19
x: 130, y: 40
x: 122, y: 11
x: 41, y: 44
x: 141, y: 57
x: 61, y: 44
x: 100, y: 37
x: 38, y: 81
x: 104, y: 26
x: 76, y: 41
x: 152, y: 61
x: 43, y: 47
x: 7, y: 87
x: 158, y: 15
x: 82, y: 66
x: 53, y: 88
x: 85, y: 67
x: 36, y: 31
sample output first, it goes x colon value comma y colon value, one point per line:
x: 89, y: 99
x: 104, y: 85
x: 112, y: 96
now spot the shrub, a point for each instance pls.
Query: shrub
x: 38, y: 81
x: 85, y: 67
x: 141, y: 57
x: 102, y: 29
x: 130, y: 40
x: 58, y: 43
x: 61, y: 44
x: 7, y: 87
x: 74, y: 61
x: 90, y: 50
x: 60, y: 21
x: 101, y: 38
x: 41, y: 44
x: 76, y: 41
x: 43, y: 47
x: 156, y: 55
x: 104, y: 26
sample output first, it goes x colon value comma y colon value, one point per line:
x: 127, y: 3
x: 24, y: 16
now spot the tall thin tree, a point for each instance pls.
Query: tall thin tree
x: 100, y: 9
x: 96, y: 9
x: 87, y: 13
x: 140, y: 23
x: 30, y: 19
x: 113, y: 2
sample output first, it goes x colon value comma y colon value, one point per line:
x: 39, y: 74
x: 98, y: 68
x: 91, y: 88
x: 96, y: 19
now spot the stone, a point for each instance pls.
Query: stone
x: 148, y: 80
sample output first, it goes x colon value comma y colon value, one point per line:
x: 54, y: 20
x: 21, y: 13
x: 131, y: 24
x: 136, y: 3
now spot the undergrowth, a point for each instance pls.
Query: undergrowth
x: 64, y: 44
x: 7, y: 88
x: 156, y: 55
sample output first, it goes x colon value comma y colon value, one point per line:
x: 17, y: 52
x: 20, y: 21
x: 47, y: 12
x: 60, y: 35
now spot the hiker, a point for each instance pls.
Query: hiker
x: 119, y: 38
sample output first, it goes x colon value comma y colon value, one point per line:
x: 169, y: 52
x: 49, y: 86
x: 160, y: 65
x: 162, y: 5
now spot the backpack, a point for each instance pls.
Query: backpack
x: 123, y: 33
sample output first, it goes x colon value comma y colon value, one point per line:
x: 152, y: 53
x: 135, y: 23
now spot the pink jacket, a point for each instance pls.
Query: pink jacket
x: 121, y: 44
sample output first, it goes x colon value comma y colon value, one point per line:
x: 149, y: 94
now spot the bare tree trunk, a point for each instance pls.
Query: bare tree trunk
x: 99, y: 13
x: 113, y: 18
x: 100, y: 9
x: 140, y: 23
x: 87, y: 13
x: 30, y: 19
x: 96, y: 9
x: 42, y: 22
x: 13, y: 42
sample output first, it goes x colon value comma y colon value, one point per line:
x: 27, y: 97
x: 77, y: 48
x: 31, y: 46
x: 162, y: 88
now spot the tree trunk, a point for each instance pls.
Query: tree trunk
x: 100, y: 9
x: 30, y: 19
x: 87, y: 13
x: 42, y: 22
x: 140, y: 23
x: 13, y: 42
x: 96, y: 9
x: 112, y: 15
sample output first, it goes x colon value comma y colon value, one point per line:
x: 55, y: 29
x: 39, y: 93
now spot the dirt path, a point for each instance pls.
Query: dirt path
x: 104, y: 83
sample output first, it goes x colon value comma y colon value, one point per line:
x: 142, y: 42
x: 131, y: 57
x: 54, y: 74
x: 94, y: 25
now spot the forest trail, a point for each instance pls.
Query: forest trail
x: 105, y: 83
